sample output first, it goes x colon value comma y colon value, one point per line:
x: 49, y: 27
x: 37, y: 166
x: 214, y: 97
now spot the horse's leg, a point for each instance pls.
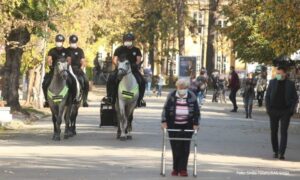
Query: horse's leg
x: 74, y: 119
x: 58, y: 122
x: 119, y: 128
x: 129, y: 114
x: 54, y: 125
x: 123, y: 120
x: 67, y: 122
x: 129, y: 127
x: 117, y: 109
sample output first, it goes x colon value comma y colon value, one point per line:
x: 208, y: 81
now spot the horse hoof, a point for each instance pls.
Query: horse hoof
x: 118, y: 135
x: 129, y: 137
x: 56, y: 138
x: 123, y: 138
x: 74, y: 133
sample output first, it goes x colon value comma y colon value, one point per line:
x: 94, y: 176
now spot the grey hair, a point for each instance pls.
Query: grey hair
x: 183, y: 82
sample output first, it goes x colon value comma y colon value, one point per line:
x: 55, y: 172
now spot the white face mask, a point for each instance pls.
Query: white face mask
x: 59, y: 44
x: 182, y: 92
x: 128, y: 43
x: 73, y: 45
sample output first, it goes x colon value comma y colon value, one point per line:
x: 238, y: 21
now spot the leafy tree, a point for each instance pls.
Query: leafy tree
x: 261, y: 30
x: 20, y: 18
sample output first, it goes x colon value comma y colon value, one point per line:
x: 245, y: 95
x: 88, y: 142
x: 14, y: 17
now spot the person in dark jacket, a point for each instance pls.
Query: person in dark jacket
x: 181, y: 111
x: 234, y: 85
x: 249, y: 94
x: 281, y: 101
x: 261, y: 88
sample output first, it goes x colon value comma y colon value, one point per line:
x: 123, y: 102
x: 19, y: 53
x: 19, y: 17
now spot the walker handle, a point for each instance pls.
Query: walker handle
x: 182, y: 130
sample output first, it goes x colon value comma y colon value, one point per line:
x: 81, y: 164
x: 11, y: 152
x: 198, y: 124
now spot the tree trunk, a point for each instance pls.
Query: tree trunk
x: 180, y: 6
x: 210, y: 55
x: 16, y: 39
x: 36, y: 85
x: 31, y: 77
x: 151, y: 52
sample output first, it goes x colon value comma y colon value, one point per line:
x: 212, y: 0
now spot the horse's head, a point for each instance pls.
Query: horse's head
x: 124, y: 67
x: 62, y: 68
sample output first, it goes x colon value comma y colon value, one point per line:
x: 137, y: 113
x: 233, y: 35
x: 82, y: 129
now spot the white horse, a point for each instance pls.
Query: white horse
x: 128, y: 93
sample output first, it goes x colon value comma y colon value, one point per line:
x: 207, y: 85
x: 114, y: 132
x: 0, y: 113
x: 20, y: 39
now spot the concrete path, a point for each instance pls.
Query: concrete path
x: 230, y: 147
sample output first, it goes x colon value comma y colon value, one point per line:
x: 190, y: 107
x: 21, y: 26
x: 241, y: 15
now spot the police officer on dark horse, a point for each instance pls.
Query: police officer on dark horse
x: 53, y: 55
x: 134, y: 55
x: 76, y: 59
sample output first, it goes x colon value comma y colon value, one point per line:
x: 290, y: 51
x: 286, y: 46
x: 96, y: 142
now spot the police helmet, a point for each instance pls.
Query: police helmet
x: 59, y: 38
x: 73, y: 39
x: 128, y: 37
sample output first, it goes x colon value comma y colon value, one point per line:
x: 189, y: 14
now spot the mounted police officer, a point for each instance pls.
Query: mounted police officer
x: 134, y: 55
x: 53, y: 55
x: 76, y: 59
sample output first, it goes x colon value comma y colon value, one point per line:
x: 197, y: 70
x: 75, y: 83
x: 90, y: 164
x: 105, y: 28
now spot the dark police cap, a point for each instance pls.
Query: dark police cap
x: 59, y: 38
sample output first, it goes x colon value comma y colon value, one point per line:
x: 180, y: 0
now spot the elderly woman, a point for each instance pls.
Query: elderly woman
x: 181, y: 111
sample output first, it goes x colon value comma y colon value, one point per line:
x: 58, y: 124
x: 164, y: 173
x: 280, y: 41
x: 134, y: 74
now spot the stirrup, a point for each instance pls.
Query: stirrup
x: 85, y: 104
x: 141, y: 103
x: 46, y: 104
x: 107, y: 100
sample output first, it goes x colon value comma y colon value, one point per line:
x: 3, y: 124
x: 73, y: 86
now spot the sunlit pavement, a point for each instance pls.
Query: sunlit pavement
x: 229, y: 147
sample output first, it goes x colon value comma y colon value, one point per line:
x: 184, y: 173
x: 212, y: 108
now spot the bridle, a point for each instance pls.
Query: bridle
x: 125, y: 72
x: 62, y: 72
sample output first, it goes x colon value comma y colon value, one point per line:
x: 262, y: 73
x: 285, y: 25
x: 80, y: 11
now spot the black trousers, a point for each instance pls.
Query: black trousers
x: 84, y: 83
x: 283, y: 117
x: 232, y: 97
x: 113, y: 82
x: 180, y: 149
x: 260, y: 98
x: 46, y: 83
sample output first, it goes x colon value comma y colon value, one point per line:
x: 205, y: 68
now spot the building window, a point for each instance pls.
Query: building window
x: 221, y: 23
x: 198, y: 18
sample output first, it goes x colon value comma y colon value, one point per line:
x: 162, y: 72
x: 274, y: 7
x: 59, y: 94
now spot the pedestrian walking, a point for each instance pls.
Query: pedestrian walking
x: 202, y: 84
x: 222, y: 88
x: 181, y: 111
x: 261, y: 88
x: 248, y: 94
x: 215, y: 82
x: 160, y: 84
x: 234, y: 85
x: 148, y: 79
x: 194, y: 86
x: 281, y: 101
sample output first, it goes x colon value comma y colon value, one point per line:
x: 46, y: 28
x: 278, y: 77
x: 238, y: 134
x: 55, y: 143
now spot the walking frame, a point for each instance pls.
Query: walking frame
x: 166, y: 138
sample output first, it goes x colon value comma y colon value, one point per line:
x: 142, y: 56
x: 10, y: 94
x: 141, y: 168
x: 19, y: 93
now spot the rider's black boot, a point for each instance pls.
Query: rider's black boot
x: 109, y: 99
x: 141, y: 103
x: 46, y: 104
x: 84, y: 99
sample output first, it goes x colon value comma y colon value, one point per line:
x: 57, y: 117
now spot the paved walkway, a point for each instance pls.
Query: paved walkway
x: 230, y: 147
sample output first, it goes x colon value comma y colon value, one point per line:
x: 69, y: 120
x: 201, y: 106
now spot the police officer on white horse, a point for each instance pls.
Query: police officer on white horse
x: 134, y: 55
